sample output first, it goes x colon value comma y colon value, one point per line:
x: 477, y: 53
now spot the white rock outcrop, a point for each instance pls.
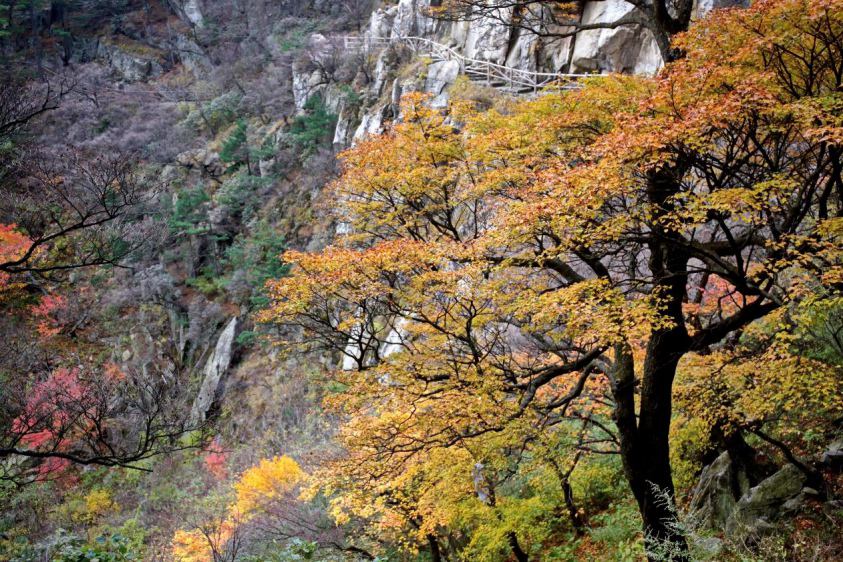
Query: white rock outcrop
x: 372, y: 123
x: 488, y: 37
x: 215, y: 368
x: 440, y: 75
x: 130, y: 66
x: 628, y: 49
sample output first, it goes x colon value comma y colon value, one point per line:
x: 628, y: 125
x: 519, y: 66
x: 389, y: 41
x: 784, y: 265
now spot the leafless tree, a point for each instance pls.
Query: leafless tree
x: 86, y: 204
x: 356, y: 12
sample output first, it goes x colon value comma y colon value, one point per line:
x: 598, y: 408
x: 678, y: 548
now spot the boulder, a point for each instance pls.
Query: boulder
x: 706, y: 548
x: 833, y: 456
x: 770, y: 499
x: 131, y: 66
x: 191, y: 158
x: 440, y: 75
x: 716, y: 496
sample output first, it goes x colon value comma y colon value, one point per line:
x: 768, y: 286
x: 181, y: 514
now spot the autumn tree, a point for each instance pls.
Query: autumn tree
x: 70, y: 416
x: 495, y: 272
x: 265, y: 503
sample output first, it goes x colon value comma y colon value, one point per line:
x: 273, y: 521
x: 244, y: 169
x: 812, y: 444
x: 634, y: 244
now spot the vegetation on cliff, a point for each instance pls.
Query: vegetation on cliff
x: 600, y: 323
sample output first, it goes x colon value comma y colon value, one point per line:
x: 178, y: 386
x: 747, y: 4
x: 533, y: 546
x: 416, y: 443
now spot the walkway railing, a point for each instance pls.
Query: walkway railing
x: 514, y: 80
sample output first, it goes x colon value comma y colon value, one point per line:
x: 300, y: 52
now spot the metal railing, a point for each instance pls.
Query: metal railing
x: 513, y: 80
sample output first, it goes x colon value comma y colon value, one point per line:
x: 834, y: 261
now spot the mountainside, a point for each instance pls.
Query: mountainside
x: 294, y: 280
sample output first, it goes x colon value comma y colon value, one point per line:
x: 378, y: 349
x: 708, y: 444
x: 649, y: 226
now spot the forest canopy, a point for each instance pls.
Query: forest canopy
x: 522, y: 288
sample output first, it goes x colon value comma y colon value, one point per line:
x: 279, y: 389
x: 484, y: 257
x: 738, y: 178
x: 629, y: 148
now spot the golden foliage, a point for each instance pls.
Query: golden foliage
x: 266, y: 482
x: 496, y: 262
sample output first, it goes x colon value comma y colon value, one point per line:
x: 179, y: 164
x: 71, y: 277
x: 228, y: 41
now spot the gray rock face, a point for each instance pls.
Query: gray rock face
x: 716, y: 495
x: 628, y: 49
x: 207, y: 160
x: 305, y: 84
x: 384, y: 69
x: 192, y: 56
x: 343, y: 134
x: 191, y: 10
x: 380, y: 23
x: 131, y: 67
x: 769, y: 500
x: 488, y: 38
x: 440, y: 75
x: 409, y: 19
x: 524, y: 52
x: 372, y: 123
x: 215, y: 368
x: 702, y: 7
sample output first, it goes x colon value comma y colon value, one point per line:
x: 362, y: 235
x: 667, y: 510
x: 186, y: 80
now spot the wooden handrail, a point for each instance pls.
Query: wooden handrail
x: 514, y: 78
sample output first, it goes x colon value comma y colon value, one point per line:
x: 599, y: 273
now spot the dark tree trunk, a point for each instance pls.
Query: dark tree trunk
x: 520, y: 555
x: 654, y: 476
x: 644, y: 439
x: 435, y: 554
x: 573, y: 513
x: 645, y: 445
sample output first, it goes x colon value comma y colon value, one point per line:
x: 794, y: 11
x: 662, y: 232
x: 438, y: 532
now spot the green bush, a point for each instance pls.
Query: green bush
x: 258, y: 257
x: 295, y: 37
x: 214, y: 115
x: 239, y: 195
x: 189, y: 214
x: 235, y: 148
x: 314, y: 128
x: 207, y: 284
x: 105, y: 548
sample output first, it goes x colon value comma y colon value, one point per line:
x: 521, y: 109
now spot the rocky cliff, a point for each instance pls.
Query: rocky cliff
x: 494, y: 38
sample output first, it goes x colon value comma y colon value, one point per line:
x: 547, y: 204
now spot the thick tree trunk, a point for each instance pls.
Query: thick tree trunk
x: 645, y: 448
x: 654, y: 476
x: 644, y: 439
